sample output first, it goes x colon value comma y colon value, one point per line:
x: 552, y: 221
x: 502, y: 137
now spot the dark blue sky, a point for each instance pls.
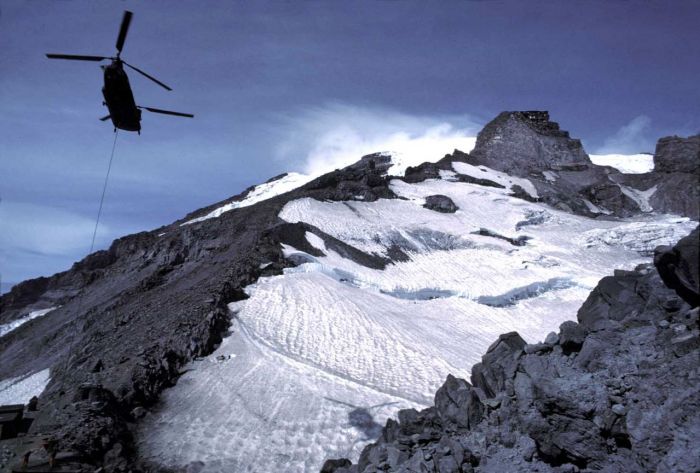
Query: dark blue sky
x: 271, y: 83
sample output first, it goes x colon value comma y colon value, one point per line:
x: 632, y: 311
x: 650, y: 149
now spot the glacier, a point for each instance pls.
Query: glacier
x: 319, y: 357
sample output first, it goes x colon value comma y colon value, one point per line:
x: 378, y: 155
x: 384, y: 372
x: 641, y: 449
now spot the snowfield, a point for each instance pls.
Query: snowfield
x: 626, y: 163
x: 20, y: 390
x: 402, y: 158
x: 15, y: 324
x: 321, y: 356
x: 259, y: 193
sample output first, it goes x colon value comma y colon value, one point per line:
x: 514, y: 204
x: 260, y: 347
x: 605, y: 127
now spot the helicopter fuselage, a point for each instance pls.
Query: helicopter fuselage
x: 119, y: 99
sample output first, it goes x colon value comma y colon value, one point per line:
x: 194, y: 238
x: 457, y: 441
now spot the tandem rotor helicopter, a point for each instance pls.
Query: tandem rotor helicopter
x: 119, y: 99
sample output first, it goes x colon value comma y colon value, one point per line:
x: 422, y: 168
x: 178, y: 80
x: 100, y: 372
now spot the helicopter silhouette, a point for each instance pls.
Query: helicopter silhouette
x: 119, y: 98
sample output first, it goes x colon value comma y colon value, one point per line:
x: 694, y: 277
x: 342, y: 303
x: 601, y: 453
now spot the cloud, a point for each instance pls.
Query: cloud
x: 630, y: 139
x: 322, y: 139
x: 35, y: 234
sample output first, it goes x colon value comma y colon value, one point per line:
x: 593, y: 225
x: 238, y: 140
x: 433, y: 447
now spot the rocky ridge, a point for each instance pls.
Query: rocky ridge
x: 130, y: 317
x: 619, y: 391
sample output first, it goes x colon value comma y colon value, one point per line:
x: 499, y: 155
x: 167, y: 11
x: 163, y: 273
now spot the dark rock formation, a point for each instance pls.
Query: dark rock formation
x: 678, y: 267
x: 619, y: 391
x: 528, y: 145
x: 440, y: 203
x: 521, y: 143
x: 676, y: 154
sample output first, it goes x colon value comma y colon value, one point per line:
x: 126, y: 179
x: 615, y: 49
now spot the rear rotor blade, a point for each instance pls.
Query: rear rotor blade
x: 123, y: 30
x: 149, y: 76
x: 168, y: 112
x: 76, y: 57
x: 105, y: 118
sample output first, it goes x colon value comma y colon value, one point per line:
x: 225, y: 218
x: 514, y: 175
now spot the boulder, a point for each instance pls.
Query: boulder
x: 571, y: 336
x: 498, y: 364
x: 333, y: 465
x: 440, y: 203
x: 457, y: 404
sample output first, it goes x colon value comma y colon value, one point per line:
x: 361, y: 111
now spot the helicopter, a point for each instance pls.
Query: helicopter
x: 119, y: 98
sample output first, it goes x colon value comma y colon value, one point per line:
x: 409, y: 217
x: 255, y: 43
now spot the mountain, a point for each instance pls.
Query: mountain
x: 284, y: 326
x: 5, y: 287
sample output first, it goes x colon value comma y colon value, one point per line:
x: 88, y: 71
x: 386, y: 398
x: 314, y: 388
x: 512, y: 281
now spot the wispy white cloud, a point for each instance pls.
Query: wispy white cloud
x: 632, y: 138
x: 44, y: 229
x: 32, y: 235
x: 321, y: 139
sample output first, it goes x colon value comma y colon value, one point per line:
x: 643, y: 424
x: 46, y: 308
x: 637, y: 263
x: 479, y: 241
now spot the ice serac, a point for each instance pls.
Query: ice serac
x: 618, y: 391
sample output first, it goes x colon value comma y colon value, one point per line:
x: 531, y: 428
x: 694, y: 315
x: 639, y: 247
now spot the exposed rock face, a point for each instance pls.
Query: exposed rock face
x: 521, y: 143
x: 528, y: 144
x: 678, y: 267
x: 676, y: 154
x: 619, y: 391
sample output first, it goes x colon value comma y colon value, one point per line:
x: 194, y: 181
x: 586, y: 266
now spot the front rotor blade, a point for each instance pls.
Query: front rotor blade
x: 168, y: 112
x: 123, y: 30
x: 149, y: 76
x: 76, y: 57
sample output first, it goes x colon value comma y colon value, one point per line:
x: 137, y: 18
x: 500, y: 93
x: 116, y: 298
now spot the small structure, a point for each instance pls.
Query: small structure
x: 11, y: 420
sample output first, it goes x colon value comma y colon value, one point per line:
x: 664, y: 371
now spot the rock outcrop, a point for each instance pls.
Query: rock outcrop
x: 678, y: 267
x: 676, y: 166
x: 523, y: 143
x: 529, y: 145
x: 676, y: 154
x: 619, y: 391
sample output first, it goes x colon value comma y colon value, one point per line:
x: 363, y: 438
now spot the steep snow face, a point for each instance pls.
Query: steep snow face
x: 259, y: 193
x: 421, y: 151
x: 321, y: 355
x: 10, y: 326
x: 20, y: 390
x: 625, y: 163
x: 484, y: 172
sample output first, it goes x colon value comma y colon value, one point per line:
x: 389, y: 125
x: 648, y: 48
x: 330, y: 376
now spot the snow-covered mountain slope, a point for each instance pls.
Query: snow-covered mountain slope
x: 20, y: 389
x: 400, y: 160
x: 264, y: 191
x: 322, y: 354
x: 625, y: 163
x: 352, y: 296
x: 15, y: 324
